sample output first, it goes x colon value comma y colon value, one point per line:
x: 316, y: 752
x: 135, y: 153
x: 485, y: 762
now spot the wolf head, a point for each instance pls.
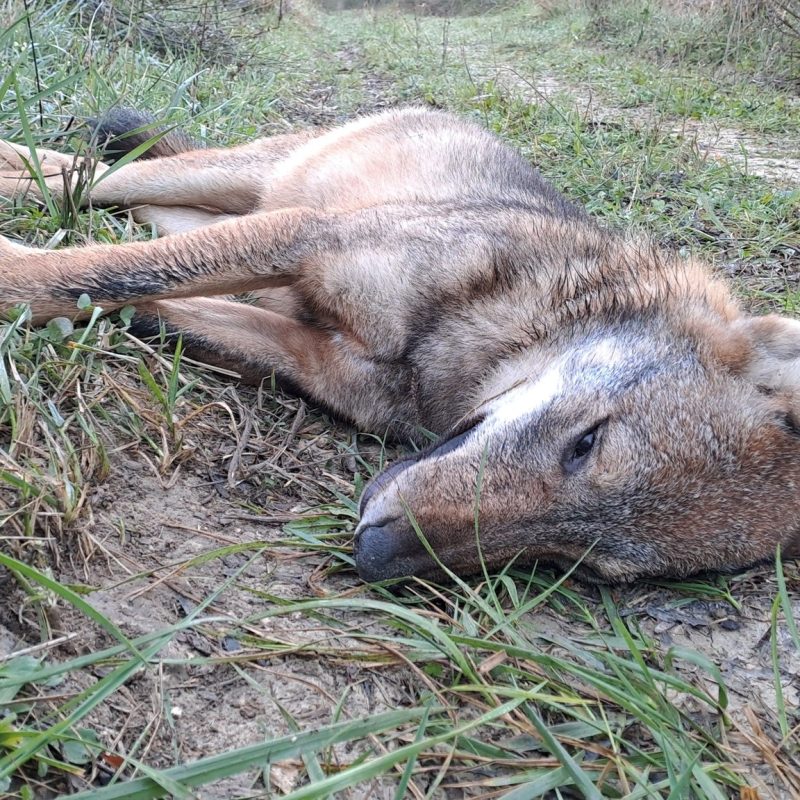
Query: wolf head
x: 636, y: 450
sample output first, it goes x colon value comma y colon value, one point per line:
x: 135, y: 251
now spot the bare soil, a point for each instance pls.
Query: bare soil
x: 140, y: 549
x: 768, y: 155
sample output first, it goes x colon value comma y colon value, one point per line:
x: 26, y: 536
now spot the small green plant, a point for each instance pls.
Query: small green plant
x: 67, y: 752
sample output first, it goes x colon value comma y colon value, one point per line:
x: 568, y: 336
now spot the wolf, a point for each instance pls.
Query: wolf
x: 597, y: 400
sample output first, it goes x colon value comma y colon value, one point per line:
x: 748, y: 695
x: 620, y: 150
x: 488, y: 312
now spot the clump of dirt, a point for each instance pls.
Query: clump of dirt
x: 739, y: 641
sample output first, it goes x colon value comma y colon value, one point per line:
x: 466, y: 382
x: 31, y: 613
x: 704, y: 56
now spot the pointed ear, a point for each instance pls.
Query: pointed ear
x: 768, y: 354
x: 771, y: 355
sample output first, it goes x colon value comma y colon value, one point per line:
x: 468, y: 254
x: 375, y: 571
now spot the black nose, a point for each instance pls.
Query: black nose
x: 390, y: 551
x: 376, y: 552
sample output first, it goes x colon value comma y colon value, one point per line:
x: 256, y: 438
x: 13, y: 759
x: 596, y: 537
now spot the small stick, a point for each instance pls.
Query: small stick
x: 36, y: 648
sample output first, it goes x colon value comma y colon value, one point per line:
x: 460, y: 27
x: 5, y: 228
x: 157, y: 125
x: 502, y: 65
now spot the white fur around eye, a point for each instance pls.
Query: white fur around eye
x: 605, y: 353
x: 530, y: 397
x: 537, y: 395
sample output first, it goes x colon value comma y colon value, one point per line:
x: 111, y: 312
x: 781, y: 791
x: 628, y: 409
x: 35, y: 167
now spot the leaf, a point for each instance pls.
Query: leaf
x: 59, y: 329
x: 126, y: 315
x: 10, y: 737
x: 82, y: 749
x: 73, y: 599
x: 55, y: 414
x: 21, y: 666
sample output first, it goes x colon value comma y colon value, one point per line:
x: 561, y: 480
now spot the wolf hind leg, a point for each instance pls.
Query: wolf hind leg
x: 176, y: 172
x: 217, y: 182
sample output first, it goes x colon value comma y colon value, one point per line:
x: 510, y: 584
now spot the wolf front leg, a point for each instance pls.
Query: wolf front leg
x: 236, y: 255
x: 331, y: 369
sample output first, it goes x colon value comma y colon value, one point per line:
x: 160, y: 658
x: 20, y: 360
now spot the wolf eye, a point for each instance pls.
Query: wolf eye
x: 584, y: 446
x: 576, y: 455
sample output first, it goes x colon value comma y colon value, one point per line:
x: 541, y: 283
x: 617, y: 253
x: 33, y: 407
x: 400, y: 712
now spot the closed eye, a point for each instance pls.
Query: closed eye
x: 577, y: 453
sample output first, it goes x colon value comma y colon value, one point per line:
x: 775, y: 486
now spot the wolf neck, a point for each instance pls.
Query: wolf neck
x: 577, y: 284
x: 618, y: 330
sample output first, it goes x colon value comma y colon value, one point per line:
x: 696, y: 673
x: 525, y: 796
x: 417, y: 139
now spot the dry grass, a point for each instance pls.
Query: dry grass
x: 754, y: 37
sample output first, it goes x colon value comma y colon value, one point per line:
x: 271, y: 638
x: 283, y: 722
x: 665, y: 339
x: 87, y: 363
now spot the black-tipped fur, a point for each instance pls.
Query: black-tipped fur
x: 122, y: 130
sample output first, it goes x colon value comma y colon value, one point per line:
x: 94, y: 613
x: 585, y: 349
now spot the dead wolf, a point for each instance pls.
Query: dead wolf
x: 597, y: 399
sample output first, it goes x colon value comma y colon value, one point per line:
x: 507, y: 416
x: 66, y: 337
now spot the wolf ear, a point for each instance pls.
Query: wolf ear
x: 771, y: 356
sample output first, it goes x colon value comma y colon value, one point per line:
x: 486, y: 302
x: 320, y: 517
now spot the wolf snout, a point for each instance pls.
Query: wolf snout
x: 382, y: 481
x: 388, y: 550
x: 378, y: 552
x: 382, y: 546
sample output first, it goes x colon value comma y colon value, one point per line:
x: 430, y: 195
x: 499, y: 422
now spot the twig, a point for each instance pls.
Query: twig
x: 37, y: 648
x: 35, y: 63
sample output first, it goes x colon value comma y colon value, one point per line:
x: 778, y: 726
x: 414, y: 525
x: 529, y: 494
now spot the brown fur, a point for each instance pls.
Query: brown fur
x: 598, y: 398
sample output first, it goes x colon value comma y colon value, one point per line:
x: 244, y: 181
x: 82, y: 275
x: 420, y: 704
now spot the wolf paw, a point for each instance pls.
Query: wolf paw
x: 10, y: 157
x: 18, y: 158
x: 11, y: 253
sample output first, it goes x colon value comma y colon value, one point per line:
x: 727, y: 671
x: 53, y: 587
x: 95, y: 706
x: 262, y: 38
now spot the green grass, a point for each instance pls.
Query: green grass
x: 634, y: 55
x: 522, y: 684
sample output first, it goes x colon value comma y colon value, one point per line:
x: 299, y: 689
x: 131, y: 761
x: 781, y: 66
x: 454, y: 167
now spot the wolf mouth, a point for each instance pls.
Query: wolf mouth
x: 441, y: 447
